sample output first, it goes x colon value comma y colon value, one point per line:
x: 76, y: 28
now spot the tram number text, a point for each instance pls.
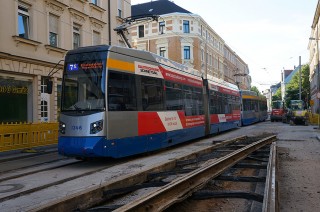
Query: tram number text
x: 77, y: 128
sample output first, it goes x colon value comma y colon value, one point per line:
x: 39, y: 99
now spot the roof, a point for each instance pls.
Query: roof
x: 287, y: 73
x: 159, y: 7
x: 288, y: 78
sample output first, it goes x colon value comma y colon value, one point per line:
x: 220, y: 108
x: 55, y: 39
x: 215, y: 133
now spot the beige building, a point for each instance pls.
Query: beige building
x: 35, y: 35
x: 314, y: 61
x: 186, y: 38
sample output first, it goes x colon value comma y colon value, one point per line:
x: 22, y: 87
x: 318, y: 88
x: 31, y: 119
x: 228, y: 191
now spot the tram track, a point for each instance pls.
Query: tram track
x: 183, y: 187
x: 89, y: 188
x: 8, y: 164
x: 44, y: 178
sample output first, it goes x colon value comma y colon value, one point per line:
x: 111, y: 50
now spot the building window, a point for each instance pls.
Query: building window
x: 44, y: 109
x: 120, y: 8
x: 44, y: 82
x: 76, y: 36
x: 162, y: 52
x: 161, y: 27
x: 95, y: 2
x: 23, y: 21
x: 186, y: 52
x: 96, y: 38
x: 141, y: 31
x: 186, y: 26
x: 53, y: 30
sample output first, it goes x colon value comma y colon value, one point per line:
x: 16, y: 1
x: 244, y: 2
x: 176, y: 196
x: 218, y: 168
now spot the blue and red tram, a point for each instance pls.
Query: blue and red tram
x: 118, y: 102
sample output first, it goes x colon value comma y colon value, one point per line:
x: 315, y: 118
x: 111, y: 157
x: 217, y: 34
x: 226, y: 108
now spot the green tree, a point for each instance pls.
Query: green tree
x: 277, y: 95
x: 255, y: 89
x: 292, y: 88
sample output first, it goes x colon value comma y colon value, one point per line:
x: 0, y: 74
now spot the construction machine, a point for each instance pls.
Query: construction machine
x: 296, y: 113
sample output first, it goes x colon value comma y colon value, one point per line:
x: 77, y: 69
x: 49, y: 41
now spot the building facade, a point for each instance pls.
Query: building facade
x: 187, y: 39
x: 313, y: 48
x: 35, y: 36
x: 314, y: 60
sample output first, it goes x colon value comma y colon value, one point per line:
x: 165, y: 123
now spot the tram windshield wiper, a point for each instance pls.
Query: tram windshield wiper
x: 76, y: 107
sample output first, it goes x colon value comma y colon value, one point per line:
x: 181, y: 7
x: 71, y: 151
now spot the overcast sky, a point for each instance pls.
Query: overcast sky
x: 268, y: 35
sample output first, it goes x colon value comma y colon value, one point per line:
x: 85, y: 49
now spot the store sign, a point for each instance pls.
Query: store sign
x: 13, y: 89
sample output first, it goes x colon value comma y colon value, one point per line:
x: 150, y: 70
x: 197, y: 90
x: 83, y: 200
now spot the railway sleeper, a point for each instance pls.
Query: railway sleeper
x: 187, y: 162
x: 255, y: 159
x: 107, y: 208
x: 168, y: 173
x: 108, y: 194
x: 261, y: 152
x: 241, y: 178
x: 250, y: 165
x: 202, y: 158
x: 206, y: 194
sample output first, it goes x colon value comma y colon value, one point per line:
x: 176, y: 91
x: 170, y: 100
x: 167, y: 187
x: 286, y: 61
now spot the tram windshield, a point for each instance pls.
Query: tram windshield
x: 297, y: 105
x: 277, y: 104
x: 83, y: 86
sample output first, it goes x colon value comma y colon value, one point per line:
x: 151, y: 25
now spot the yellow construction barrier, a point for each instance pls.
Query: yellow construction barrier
x: 313, y: 118
x: 27, y: 135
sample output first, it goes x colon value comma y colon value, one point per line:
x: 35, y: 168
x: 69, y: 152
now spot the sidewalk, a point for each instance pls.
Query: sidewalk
x: 299, y: 169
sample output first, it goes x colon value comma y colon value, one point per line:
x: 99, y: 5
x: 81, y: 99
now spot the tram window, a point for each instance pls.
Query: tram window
x: 225, y: 103
x: 174, y: 100
x: 193, y: 104
x: 121, y: 92
x: 214, y: 102
x: 152, y: 93
x: 256, y: 108
x: 219, y: 103
x: 197, y: 97
x: 245, y: 105
x: 188, y: 103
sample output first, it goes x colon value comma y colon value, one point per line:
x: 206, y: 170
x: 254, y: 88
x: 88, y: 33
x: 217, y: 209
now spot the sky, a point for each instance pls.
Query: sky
x: 269, y: 35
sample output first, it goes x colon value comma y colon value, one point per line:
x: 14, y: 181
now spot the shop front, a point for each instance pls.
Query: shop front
x: 15, y: 99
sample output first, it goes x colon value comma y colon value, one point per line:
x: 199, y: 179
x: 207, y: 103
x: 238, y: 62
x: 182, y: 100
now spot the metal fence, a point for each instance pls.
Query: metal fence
x: 16, y: 136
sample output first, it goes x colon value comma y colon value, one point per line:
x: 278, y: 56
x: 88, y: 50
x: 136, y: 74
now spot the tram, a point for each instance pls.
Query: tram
x: 118, y: 102
x: 278, y: 111
x: 254, y: 108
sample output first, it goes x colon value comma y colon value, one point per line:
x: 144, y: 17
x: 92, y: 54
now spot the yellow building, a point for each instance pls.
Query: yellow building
x: 35, y: 36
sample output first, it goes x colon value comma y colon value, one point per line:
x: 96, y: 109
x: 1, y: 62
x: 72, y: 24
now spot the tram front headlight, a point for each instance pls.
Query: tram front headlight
x: 62, y: 127
x: 96, y: 127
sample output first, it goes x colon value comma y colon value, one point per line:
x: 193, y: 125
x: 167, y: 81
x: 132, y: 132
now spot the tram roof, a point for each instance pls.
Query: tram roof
x: 222, y: 83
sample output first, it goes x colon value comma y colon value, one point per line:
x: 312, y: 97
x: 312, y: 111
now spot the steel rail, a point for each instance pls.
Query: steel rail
x: 270, y: 203
x: 183, y: 187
